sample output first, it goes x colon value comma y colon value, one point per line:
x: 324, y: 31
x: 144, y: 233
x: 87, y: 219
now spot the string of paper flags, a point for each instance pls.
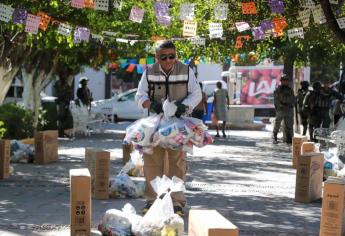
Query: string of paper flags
x: 266, y: 28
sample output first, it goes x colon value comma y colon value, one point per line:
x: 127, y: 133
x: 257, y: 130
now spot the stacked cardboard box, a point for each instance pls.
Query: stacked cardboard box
x: 307, y: 147
x: 297, y: 142
x: 98, y: 163
x: 309, y: 177
x: 5, y: 155
x: 46, y: 146
x: 80, y: 202
x: 127, y: 149
x: 210, y: 223
x: 333, y: 207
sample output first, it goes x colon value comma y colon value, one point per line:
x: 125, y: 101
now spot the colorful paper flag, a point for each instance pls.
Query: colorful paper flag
x: 248, y: 8
x: 240, y: 39
x: 117, y: 4
x: 150, y: 60
x: 279, y: 26
x: 258, y: 33
x: 198, y: 41
x: 89, y: 4
x: 65, y: 29
x: 216, y: 30
x: 221, y: 11
x: 137, y: 15
x: 266, y: 25
x: 242, y: 26
x: 131, y: 67
x: 296, y: 33
x: 77, y: 3
x: 341, y: 22
x: 6, y: 13
x: 277, y: 6
x: 304, y: 17
x: 142, y: 61
x: 309, y: 4
x: 187, y: 11
x: 102, y: 5
x: 189, y: 28
x: 19, y: 16
x: 45, y: 20
x: 164, y: 20
x: 139, y: 69
x: 81, y: 34
x: 318, y: 15
x: 32, y: 24
x: 161, y: 8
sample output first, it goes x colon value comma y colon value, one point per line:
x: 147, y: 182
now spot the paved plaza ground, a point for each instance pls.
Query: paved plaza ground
x: 245, y: 177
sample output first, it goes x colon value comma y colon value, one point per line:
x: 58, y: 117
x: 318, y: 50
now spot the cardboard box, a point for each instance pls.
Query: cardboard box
x: 46, y: 147
x: 127, y: 149
x: 80, y: 202
x: 307, y: 147
x: 333, y: 207
x: 5, y: 156
x: 210, y: 223
x: 309, y: 177
x: 98, y: 163
x: 296, y: 148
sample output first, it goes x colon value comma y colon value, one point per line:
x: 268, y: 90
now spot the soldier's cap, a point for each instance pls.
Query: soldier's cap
x: 284, y: 77
x: 81, y: 79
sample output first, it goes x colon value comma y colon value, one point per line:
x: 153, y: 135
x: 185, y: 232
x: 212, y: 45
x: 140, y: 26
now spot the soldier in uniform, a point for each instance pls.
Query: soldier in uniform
x: 167, y: 78
x: 64, y: 95
x: 284, y: 101
x: 83, y: 92
x: 302, y: 92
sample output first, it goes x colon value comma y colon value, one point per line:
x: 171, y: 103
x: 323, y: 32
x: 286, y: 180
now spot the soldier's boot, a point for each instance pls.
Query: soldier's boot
x: 275, y: 139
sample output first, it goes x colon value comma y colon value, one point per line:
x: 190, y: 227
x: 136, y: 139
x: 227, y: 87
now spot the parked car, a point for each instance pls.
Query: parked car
x: 121, y: 106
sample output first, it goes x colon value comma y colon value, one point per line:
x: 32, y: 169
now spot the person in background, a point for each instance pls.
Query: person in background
x: 302, y: 92
x: 221, y: 105
x: 328, y: 96
x: 167, y: 78
x: 284, y: 101
x: 83, y: 93
x: 64, y: 94
x: 201, y: 109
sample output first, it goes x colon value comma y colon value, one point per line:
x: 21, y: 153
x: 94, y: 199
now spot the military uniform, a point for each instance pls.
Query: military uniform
x: 64, y: 95
x: 302, y: 114
x: 284, y: 101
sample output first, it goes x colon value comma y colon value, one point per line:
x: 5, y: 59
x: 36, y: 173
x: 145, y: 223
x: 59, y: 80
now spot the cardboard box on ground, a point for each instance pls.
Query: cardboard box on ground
x: 46, y: 146
x: 80, y: 202
x: 210, y: 223
x: 333, y: 207
x: 309, y: 176
x: 5, y: 155
x: 98, y: 163
x: 297, y: 142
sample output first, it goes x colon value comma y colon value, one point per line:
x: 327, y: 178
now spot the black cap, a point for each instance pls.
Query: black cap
x: 284, y: 77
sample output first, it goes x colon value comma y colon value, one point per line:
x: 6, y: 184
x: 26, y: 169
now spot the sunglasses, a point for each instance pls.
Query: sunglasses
x: 164, y: 57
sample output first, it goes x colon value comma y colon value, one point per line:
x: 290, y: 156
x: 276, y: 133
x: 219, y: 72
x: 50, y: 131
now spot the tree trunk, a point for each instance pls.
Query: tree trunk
x: 6, y: 77
x: 28, y: 92
x: 331, y: 20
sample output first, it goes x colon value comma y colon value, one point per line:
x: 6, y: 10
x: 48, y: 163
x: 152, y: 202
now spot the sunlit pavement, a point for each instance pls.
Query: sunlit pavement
x: 245, y: 177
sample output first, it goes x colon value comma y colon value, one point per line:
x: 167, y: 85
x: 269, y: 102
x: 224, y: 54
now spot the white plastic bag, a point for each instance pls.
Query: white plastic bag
x: 122, y: 186
x: 159, y: 217
x: 115, y: 222
x: 169, y: 108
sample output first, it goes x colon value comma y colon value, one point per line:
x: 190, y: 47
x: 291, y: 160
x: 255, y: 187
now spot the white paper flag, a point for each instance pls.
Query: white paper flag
x: 6, y: 12
x: 308, y: 4
x: 333, y: 2
x: 304, y: 17
x: 117, y: 4
x: 221, y: 11
x: 318, y: 15
x: 341, y: 22
x: 97, y: 37
x: 189, y: 28
x: 32, y: 23
x: 296, y: 33
x: 102, y: 5
x: 65, y: 29
x: 198, y: 41
x: 216, y: 30
x: 187, y: 11
x: 78, y: 3
x: 242, y: 26
x: 137, y: 15
x: 122, y: 40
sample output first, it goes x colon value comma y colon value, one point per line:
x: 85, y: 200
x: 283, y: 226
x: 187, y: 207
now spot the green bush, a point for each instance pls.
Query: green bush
x: 47, y: 117
x: 18, y: 122
x: 2, y: 129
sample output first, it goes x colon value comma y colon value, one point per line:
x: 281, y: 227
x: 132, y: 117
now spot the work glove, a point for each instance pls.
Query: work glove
x: 181, y: 108
x: 156, y: 107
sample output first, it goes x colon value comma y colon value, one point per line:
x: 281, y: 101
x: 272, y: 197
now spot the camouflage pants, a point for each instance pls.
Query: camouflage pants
x: 287, y: 117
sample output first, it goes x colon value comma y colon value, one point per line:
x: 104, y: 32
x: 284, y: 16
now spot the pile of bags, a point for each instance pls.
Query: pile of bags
x: 21, y: 153
x: 160, y: 220
x: 122, y: 186
x: 173, y: 133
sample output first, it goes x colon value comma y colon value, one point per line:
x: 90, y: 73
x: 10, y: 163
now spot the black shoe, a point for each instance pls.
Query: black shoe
x: 224, y: 136
x: 178, y: 211
x: 275, y: 141
x: 217, y: 136
x: 146, y: 208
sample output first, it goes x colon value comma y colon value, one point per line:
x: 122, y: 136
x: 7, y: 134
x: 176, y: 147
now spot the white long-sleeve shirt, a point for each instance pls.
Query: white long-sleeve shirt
x: 194, y: 92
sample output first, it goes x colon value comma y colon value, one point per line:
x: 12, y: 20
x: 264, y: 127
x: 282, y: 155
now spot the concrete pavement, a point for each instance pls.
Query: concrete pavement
x: 245, y: 177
